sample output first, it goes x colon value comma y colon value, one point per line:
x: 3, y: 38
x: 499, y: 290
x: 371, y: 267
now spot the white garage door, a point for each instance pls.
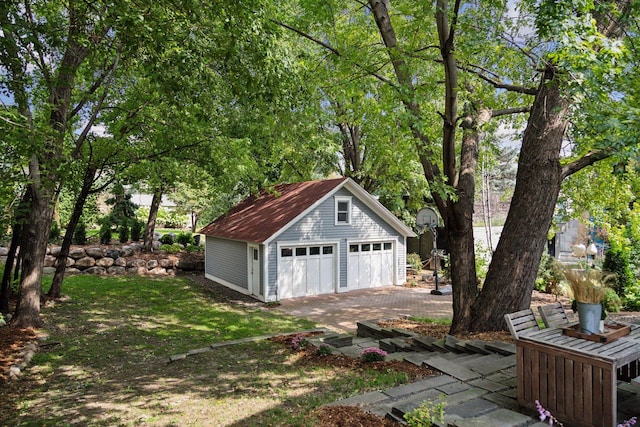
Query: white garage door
x: 370, y: 265
x: 306, y: 270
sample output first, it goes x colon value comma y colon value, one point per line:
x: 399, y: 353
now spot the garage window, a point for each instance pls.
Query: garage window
x: 343, y: 210
x: 327, y: 250
x: 285, y: 252
x: 377, y: 246
x: 354, y: 248
x: 366, y: 247
x: 301, y: 251
x: 314, y: 250
x: 387, y: 246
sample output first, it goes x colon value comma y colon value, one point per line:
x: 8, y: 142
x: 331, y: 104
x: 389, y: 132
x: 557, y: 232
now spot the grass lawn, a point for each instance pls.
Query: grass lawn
x: 106, y: 363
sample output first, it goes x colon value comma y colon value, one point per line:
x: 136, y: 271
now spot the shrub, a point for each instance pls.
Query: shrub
x: 171, y: 249
x: 167, y: 239
x: 425, y: 415
x: 373, y: 354
x: 193, y: 248
x: 184, y: 239
x: 324, y: 350
x: 616, y: 261
x: 105, y: 233
x: 80, y: 234
x: 611, y: 303
x: 54, y: 232
x: 299, y: 342
x: 123, y: 233
x: 414, y: 261
x: 136, y: 230
x: 631, y: 298
x: 550, y: 276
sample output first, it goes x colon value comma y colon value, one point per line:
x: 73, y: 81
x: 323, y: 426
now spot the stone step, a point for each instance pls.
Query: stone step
x: 418, y: 358
x: 342, y: 340
x: 425, y: 343
x: 439, y: 344
x: 476, y: 346
x: 451, y: 368
x: 501, y: 347
x: 490, y: 364
x: 459, y: 358
x: 391, y: 345
x: 370, y: 328
x: 404, y: 332
x: 451, y: 344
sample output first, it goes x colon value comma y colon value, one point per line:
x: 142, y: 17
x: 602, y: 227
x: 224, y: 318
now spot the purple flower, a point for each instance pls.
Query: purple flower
x: 628, y: 423
x: 546, y: 415
x: 373, y: 354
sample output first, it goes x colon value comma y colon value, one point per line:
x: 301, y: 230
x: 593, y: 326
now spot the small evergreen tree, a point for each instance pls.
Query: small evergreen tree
x: 80, y: 234
x: 105, y: 232
x: 123, y: 233
x: 136, y: 229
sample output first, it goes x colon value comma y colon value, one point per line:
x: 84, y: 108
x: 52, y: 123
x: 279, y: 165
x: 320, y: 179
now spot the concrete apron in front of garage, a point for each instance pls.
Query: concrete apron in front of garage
x: 340, y: 311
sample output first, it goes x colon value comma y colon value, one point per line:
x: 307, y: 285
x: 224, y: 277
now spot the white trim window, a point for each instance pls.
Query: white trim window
x: 343, y: 210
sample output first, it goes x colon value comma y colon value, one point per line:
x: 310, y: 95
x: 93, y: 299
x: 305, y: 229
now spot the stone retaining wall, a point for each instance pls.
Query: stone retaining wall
x: 127, y: 259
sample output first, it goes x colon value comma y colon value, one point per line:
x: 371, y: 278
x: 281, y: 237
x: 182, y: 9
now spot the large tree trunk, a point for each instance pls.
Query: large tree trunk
x: 5, y: 290
x: 34, y: 248
x: 512, y: 273
x: 55, y: 291
x: 461, y: 241
x: 153, y: 216
x: 43, y: 175
x: 16, y: 239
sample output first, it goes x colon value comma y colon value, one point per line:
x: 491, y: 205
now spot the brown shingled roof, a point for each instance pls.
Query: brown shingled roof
x: 257, y: 218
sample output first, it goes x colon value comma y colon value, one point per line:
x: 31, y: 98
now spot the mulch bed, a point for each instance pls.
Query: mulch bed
x: 310, y: 356
x: 12, y: 341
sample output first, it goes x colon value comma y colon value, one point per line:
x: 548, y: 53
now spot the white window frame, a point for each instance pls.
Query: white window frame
x: 341, y: 199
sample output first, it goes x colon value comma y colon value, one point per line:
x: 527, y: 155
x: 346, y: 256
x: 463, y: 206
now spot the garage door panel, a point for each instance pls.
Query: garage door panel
x: 299, y: 277
x: 376, y: 269
x: 370, y: 265
x: 313, y: 276
x: 327, y: 269
x: 285, y: 275
x: 306, y: 270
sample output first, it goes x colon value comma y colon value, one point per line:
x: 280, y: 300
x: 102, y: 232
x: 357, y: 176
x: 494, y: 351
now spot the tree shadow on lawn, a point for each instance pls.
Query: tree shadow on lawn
x: 107, y: 363
x: 258, y: 384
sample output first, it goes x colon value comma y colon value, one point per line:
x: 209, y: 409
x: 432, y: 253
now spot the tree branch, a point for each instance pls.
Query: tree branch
x: 500, y: 84
x: 332, y: 49
x: 507, y: 111
x: 587, y: 160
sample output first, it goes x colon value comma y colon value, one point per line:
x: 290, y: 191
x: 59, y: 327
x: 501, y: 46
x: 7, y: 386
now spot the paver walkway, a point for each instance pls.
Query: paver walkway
x: 340, y: 312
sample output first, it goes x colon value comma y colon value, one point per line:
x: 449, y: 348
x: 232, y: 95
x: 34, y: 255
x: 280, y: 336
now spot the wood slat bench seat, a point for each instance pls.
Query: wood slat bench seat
x: 553, y: 315
x: 521, y: 322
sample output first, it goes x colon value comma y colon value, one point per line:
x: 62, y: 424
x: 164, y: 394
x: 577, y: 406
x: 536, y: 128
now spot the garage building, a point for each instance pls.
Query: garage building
x: 307, y: 238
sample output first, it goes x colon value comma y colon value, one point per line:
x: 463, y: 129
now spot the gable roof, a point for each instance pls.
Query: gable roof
x: 260, y: 218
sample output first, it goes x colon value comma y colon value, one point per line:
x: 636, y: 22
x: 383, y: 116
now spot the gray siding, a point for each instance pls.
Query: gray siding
x: 227, y: 260
x: 319, y: 226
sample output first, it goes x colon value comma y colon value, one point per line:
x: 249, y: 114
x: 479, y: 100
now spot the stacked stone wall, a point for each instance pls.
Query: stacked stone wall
x: 128, y: 259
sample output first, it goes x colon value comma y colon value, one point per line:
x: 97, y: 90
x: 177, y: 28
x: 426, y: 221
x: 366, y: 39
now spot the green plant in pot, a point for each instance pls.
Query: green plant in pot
x: 589, y: 288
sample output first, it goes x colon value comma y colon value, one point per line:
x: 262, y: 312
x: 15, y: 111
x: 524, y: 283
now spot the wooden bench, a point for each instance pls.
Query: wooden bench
x: 521, y: 322
x: 553, y: 315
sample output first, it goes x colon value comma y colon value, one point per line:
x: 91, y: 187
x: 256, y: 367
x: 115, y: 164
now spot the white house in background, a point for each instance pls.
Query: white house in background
x: 307, y: 238
x: 144, y: 201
